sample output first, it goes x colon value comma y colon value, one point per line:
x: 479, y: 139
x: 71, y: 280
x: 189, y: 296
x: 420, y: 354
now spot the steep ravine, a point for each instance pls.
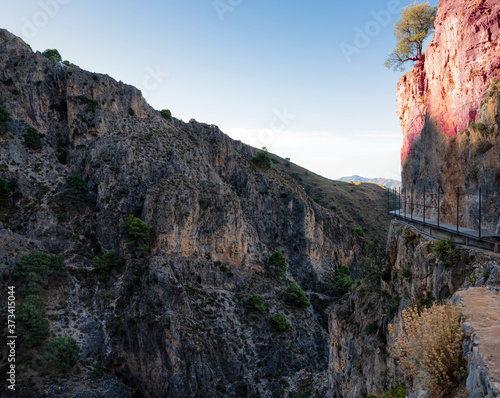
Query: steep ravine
x: 171, y: 322
x: 361, y: 361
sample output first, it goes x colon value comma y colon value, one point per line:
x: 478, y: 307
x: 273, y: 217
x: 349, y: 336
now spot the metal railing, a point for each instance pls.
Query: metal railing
x: 468, y: 213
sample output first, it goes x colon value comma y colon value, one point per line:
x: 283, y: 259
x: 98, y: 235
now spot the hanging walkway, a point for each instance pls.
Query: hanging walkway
x: 467, y: 236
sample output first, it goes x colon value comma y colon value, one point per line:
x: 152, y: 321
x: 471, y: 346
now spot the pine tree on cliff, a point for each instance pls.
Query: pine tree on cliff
x: 415, y: 25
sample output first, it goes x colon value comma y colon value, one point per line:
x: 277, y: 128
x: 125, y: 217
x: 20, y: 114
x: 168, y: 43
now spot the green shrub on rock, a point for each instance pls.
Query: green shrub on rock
x: 166, y: 114
x: 32, y: 328
x: 137, y: 234
x: 52, y: 54
x: 33, y: 271
x: 359, y: 231
x: 341, y: 281
x: 262, y: 160
x: 63, y: 352
x: 277, y: 264
x: 255, y: 303
x: 279, y: 323
x: 76, y: 192
x: 295, y: 296
x: 4, y: 119
x: 446, y: 251
x: 32, y: 139
x: 107, y: 262
x: 4, y: 193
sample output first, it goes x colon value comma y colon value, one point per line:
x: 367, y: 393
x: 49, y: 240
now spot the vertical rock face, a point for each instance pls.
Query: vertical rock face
x: 362, y: 359
x: 172, y: 322
x: 459, y: 64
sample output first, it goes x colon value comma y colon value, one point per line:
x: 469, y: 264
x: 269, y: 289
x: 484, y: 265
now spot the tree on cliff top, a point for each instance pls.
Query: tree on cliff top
x: 415, y: 25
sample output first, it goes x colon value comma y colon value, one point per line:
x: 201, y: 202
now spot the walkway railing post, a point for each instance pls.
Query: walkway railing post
x: 438, y: 204
x: 399, y: 207
x: 458, y: 202
x: 424, y: 204
x: 404, y: 202
x: 388, y: 202
x: 395, y: 202
x: 480, y: 213
x: 411, y: 204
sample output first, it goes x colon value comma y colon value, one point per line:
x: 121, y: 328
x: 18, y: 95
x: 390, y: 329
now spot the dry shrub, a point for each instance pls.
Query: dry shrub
x: 428, y: 344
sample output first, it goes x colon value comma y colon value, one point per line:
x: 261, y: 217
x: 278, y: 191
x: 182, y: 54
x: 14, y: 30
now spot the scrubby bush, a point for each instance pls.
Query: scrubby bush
x: 255, y: 303
x: 306, y: 393
x: 76, y: 192
x: 446, y: 251
x: 4, y: 119
x: 277, y: 264
x: 204, y: 203
x: 63, y: 352
x: 107, y: 262
x: 32, y: 328
x: 279, y: 323
x: 4, y: 193
x: 411, y: 238
x: 395, y: 392
x: 131, y: 112
x: 262, y: 160
x: 371, y: 328
x: 91, y: 104
x: 359, y: 231
x: 33, y: 271
x: 341, y: 282
x: 137, y: 234
x: 52, y: 54
x: 295, y: 296
x: 428, y: 344
x: 166, y: 114
x: 32, y: 139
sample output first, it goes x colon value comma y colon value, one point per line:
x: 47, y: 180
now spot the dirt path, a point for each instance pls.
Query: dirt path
x: 481, y: 307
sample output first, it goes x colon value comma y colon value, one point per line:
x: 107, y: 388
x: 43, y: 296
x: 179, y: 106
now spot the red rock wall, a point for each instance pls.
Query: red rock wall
x: 458, y: 67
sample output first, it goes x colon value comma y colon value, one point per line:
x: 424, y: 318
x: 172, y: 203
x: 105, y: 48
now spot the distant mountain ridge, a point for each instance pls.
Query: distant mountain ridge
x: 386, y: 182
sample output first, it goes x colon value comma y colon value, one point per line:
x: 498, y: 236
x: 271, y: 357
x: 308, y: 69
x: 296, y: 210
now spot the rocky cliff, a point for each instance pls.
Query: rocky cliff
x: 172, y: 321
x: 449, y: 108
x: 460, y: 62
x: 362, y: 357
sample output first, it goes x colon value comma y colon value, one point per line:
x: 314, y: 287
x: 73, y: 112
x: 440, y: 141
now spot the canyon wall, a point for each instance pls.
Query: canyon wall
x: 459, y: 64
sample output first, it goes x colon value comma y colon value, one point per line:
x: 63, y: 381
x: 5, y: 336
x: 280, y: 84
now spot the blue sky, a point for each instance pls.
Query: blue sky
x: 297, y: 77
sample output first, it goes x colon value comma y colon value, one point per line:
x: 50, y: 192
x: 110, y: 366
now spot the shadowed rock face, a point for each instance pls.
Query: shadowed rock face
x: 172, y: 322
x: 459, y: 64
x: 449, y: 106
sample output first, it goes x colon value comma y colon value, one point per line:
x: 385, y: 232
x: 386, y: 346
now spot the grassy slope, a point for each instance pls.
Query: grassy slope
x: 359, y: 205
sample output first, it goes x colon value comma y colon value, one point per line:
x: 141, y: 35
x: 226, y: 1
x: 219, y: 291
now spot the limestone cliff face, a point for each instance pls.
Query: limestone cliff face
x: 361, y: 360
x: 459, y: 64
x: 172, y: 322
x: 449, y: 106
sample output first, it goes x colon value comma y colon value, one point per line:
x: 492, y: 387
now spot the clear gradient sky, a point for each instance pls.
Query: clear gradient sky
x: 295, y: 76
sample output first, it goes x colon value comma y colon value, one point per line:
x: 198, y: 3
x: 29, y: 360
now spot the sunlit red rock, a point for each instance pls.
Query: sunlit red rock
x: 458, y: 67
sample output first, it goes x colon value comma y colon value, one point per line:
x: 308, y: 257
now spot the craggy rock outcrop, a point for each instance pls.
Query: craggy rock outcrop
x: 361, y: 361
x: 172, y: 322
x: 449, y: 105
x: 481, y: 310
x: 466, y: 162
x: 459, y: 64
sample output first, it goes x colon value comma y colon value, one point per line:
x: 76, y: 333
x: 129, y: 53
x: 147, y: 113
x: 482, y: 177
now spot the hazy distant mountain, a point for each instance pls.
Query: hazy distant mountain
x: 386, y: 182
